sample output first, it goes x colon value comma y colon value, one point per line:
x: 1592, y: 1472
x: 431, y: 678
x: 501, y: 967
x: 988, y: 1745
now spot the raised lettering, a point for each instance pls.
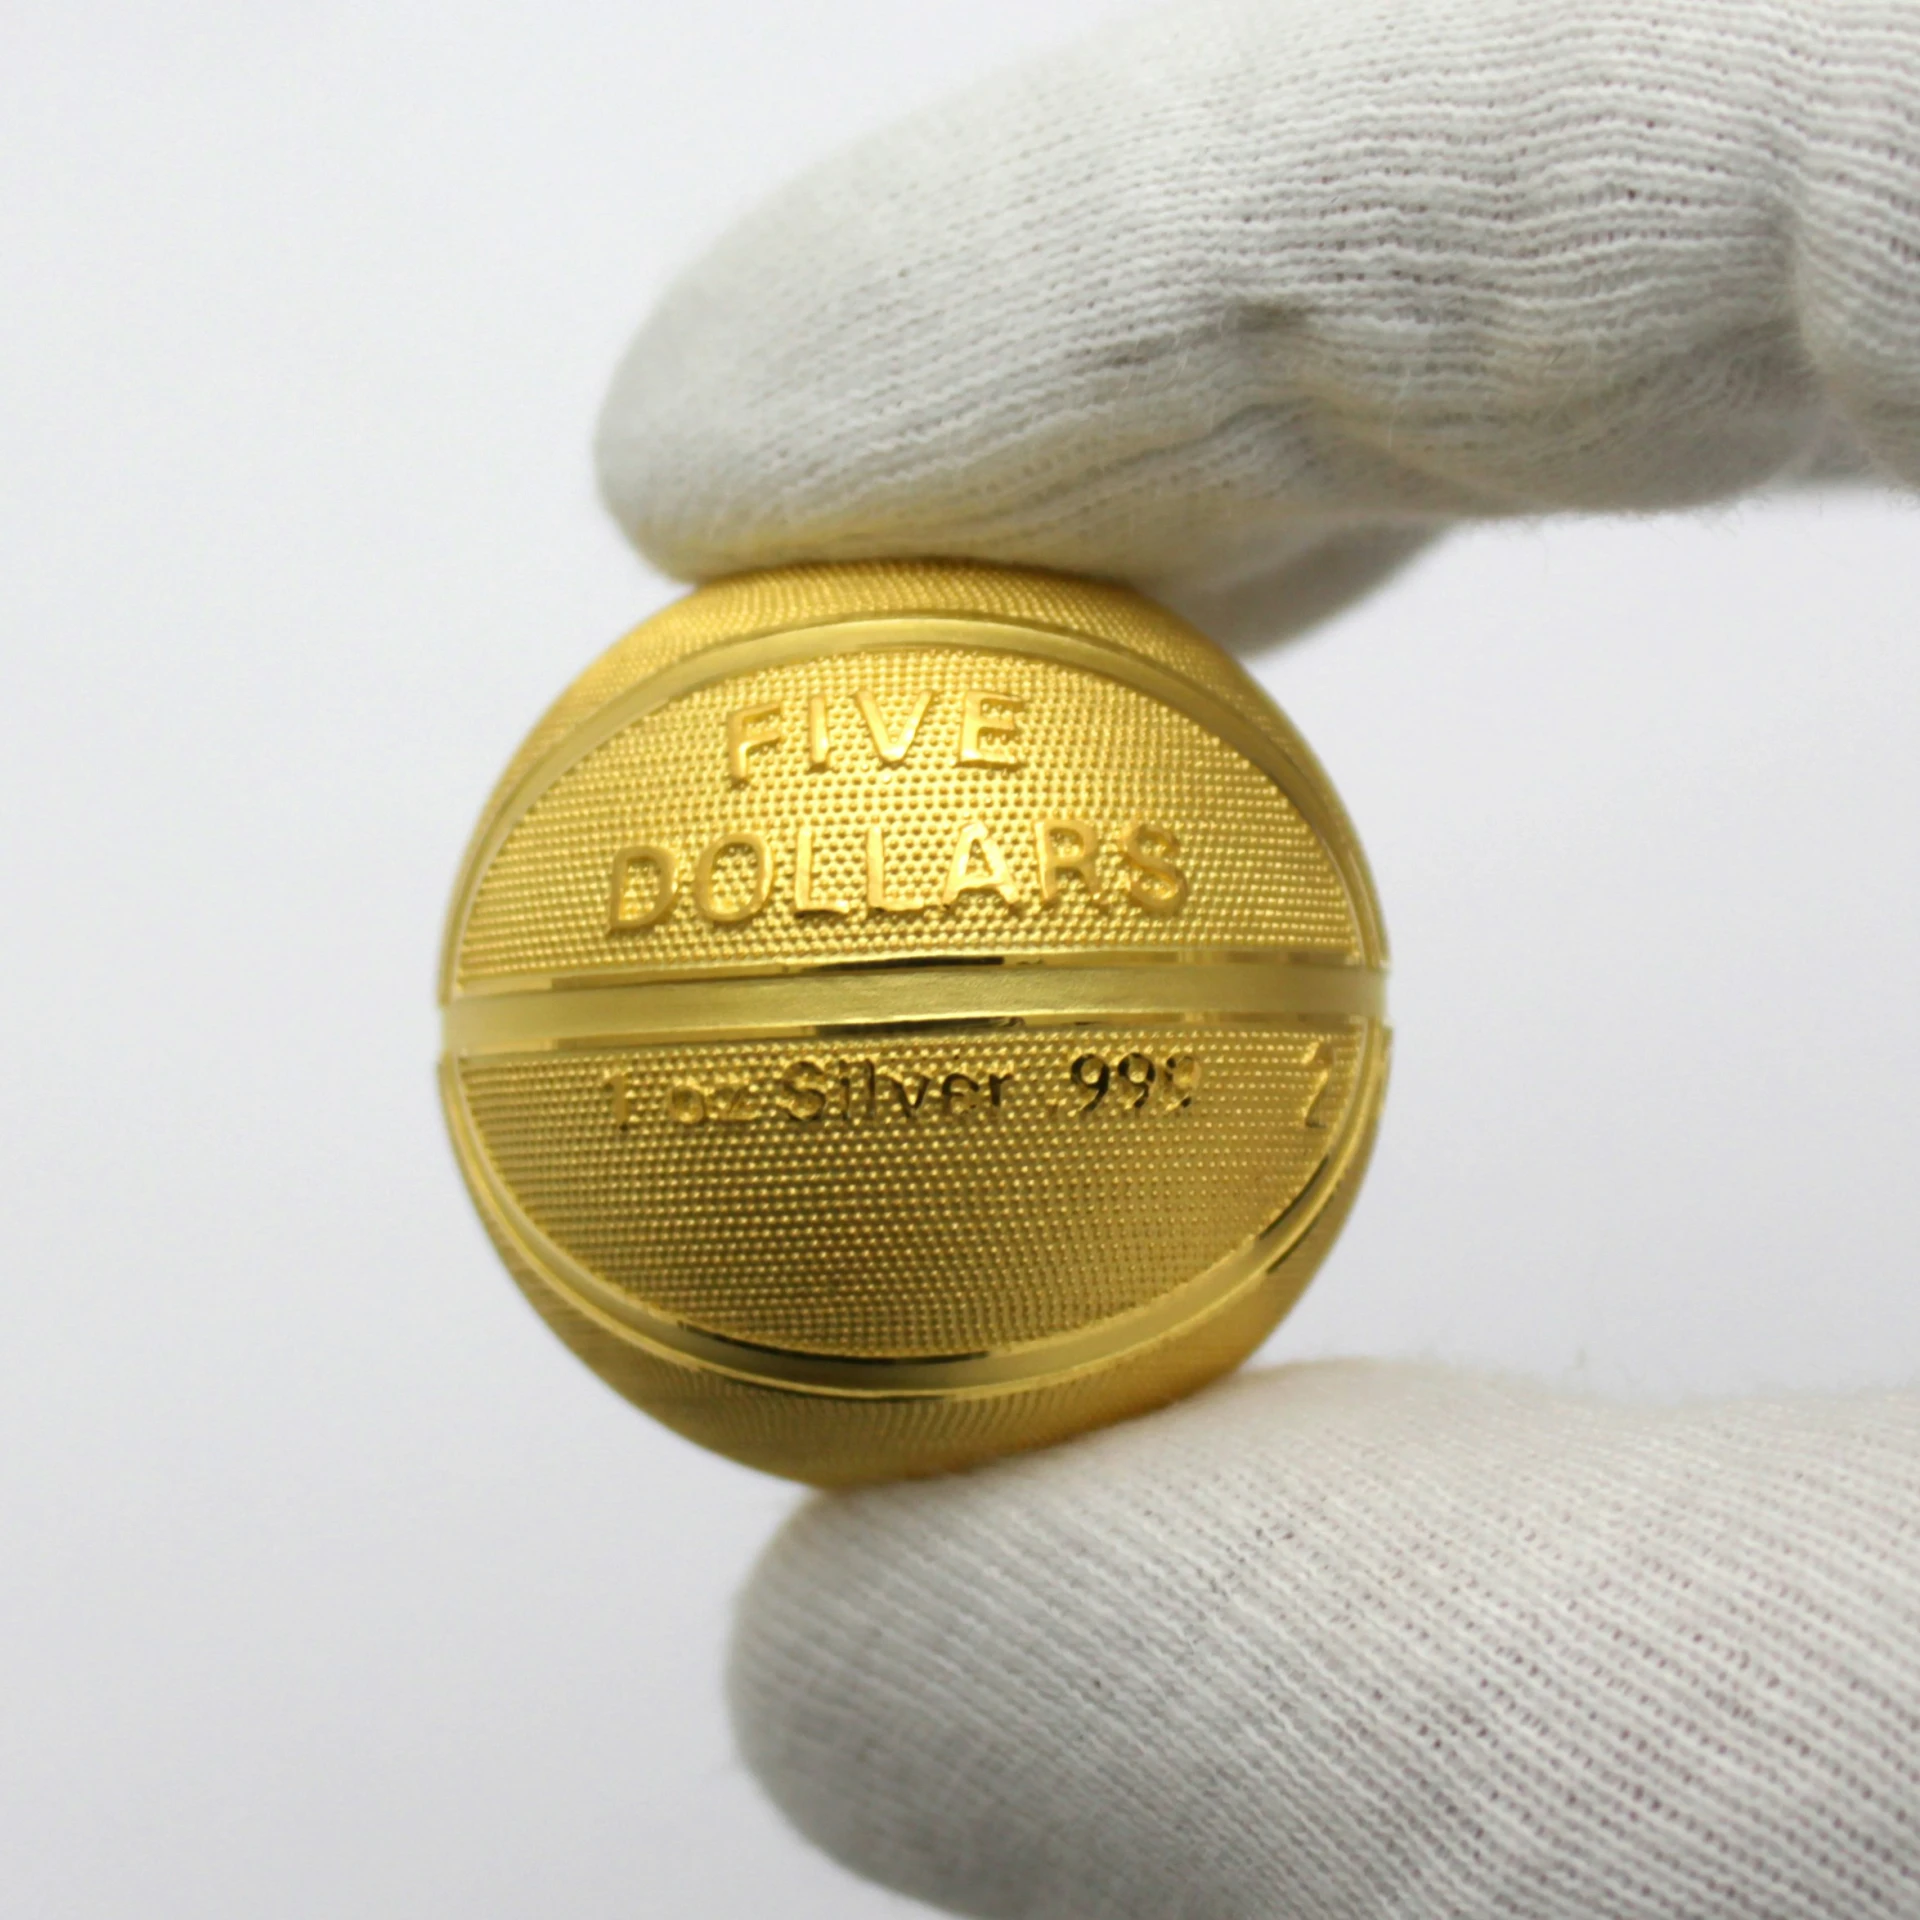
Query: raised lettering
x: 707, y: 899
x: 1081, y: 855
x: 805, y: 900
x: 971, y: 844
x: 862, y: 1100
x: 982, y: 736
x: 891, y: 747
x: 802, y: 1092
x: 909, y: 1103
x: 1183, y: 1078
x: 809, y: 1092
x: 1156, y: 884
x: 628, y: 863
x: 748, y: 728
x: 960, y: 1092
x: 819, y: 741
x: 1320, y: 1061
x: 620, y: 1088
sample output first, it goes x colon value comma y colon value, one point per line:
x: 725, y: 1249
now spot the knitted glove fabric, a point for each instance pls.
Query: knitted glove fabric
x: 1345, y: 1642
x: 1243, y: 282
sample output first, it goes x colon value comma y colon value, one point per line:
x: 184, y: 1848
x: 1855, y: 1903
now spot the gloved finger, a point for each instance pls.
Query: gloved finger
x: 1300, y: 586
x: 1343, y: 1642
x: 1245, y: 277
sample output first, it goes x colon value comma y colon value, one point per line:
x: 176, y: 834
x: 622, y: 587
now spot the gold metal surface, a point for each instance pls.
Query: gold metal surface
x: 900, y: 1013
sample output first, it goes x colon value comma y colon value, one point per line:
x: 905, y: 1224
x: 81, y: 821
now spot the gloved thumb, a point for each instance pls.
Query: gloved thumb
x: 1354, y: 1640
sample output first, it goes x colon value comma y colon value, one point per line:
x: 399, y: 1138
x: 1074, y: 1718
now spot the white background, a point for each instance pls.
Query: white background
x: 329, y: 1584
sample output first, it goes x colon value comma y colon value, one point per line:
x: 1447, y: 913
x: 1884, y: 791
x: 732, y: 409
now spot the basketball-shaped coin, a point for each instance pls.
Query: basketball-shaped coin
x: 896, y: 1014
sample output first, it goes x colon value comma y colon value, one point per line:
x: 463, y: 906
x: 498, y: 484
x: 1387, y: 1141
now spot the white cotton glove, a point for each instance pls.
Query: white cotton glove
x: 1242, y: 301
x: 1242, y: 282
x: 1351, y: 1640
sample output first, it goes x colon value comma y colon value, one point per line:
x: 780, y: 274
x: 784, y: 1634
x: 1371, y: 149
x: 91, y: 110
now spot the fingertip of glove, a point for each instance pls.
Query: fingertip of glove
x: 639, y: 463
x: 1333, y: 1613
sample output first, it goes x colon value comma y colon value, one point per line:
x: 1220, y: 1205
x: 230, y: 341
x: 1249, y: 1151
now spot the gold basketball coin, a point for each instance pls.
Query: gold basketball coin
x: 897, y: 1014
